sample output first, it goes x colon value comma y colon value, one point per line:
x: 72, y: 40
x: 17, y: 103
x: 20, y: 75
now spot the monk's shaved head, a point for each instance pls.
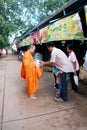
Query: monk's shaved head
x: 32, y: 48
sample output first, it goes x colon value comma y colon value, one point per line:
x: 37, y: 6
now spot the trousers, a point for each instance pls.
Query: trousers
x: 64, y: 92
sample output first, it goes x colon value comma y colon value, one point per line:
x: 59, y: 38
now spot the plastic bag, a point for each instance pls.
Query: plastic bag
x: 76, y: 80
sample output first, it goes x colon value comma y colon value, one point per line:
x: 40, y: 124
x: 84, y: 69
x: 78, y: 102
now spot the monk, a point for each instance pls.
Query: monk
x: 30, y: 72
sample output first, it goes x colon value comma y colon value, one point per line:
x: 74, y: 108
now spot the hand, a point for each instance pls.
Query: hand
x: 42, y: 63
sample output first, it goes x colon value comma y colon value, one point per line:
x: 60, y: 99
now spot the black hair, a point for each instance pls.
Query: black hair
x: 50, y: 44
x: 70, y: 46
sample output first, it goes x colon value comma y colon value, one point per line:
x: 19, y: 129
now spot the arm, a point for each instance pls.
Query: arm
x: 50, y: 64
x: 74, y: 64
x: 73, y: 57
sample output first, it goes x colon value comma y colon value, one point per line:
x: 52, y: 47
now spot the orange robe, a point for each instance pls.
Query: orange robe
x: 31, y: 73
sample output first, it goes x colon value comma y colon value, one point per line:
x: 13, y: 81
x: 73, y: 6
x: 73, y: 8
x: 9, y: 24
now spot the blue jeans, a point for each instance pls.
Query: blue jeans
x: 64, y: 92
x: 59, y: 88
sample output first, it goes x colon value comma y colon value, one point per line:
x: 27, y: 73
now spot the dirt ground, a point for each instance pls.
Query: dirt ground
x: 19, y: 112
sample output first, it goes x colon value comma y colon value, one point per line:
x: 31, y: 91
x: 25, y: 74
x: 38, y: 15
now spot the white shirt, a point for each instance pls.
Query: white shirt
x: 60, y: 60
x: 72, y: 58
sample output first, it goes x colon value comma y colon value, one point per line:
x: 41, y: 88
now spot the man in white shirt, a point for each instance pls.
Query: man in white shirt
x: 60, y: 60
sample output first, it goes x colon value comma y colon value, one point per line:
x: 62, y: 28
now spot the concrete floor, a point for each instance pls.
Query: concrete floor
x: 19, y: 112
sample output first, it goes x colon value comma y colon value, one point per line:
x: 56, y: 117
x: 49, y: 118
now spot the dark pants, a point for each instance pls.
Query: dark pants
x: 74, y: 86
x: 55, y: 80
x: 64, y: 92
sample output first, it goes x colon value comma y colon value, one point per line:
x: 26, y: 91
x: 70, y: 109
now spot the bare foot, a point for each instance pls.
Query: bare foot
x: 33, y: 97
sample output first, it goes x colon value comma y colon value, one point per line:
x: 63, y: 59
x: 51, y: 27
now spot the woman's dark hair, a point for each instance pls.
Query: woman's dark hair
x: 70, y: 46
x: 48, y: 44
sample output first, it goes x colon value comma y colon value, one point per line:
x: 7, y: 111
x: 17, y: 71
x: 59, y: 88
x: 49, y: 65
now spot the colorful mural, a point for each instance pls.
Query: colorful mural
x: 86, y: 13
x: 68, y: 28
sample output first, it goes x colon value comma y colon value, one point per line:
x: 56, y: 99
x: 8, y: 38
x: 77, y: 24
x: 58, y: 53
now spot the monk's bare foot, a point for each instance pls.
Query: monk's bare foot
x: 33, y: 97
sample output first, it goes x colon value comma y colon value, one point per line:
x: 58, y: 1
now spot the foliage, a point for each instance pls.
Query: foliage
x: 40, y: 9
x: 4, y: 42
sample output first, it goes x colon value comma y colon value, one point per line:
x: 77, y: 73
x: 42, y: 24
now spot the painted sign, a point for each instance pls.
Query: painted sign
x: 68, y: 28
x: 34, y: 37
x: 26, y: 42
x: 86, y: 13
